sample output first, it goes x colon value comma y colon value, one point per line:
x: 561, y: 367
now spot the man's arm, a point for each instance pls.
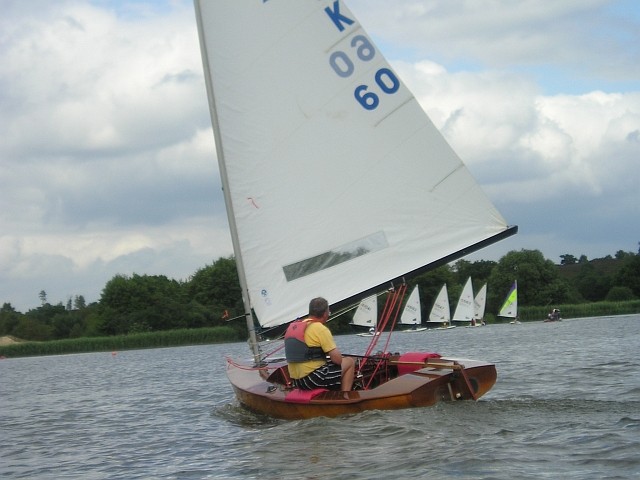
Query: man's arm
x: 335, y: 356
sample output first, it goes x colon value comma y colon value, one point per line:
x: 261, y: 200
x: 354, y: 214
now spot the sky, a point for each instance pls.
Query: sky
x: 107, y: 158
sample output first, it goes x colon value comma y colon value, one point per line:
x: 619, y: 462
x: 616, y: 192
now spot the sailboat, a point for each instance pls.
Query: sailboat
x: 509, y: 308
x: 440, y: 315
x: 479, y: 304
x: 411, y: 318
x: 366, y: 316
x: 465, y: 311
x: 336, y: 184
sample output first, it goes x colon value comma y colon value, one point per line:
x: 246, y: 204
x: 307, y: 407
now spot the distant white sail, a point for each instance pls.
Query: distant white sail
x: 440, y: 312
x: 479, y: 303
x: 411, y: 315
x: 465, y: 309
x: 367, y: 313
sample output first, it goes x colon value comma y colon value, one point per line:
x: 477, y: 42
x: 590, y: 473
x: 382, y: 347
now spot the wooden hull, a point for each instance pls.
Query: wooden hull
x: 261, y: 389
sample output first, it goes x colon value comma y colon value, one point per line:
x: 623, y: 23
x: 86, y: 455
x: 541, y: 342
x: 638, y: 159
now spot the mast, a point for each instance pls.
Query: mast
x: 246, y: 300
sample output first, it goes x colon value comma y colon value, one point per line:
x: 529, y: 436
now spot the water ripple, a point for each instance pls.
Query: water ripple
x: 563, y: 407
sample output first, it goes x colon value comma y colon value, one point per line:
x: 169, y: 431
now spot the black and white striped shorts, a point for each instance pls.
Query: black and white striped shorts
x: 327, y: 376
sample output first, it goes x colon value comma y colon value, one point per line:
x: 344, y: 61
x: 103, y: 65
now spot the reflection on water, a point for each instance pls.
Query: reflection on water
x: 566, y: 404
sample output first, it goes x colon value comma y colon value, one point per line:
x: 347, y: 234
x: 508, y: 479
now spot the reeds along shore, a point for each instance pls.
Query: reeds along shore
x: 167, y: 338
x: 581, y: 310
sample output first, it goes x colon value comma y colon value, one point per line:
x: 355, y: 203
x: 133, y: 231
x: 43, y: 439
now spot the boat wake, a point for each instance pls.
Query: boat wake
x: 239, y: 416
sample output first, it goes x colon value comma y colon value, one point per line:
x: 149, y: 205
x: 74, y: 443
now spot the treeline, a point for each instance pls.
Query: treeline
x: 150, y: 303
x: 137, y: 304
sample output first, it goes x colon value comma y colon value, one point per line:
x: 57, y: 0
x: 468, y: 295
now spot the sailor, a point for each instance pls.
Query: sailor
x: 314, y: 359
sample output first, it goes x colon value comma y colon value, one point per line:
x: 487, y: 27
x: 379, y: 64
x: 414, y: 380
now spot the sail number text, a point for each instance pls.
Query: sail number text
x: 342, y: 63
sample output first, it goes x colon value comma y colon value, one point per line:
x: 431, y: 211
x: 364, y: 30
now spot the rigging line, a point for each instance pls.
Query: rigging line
x: 268, y: 354
x: 398, y: 298
x: 393, y: 300
x: 350, y: 308
x: 391, y: 309
x: 236, y: 317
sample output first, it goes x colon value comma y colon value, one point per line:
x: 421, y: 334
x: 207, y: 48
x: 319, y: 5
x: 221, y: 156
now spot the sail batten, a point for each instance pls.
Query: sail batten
x: 302, y: 104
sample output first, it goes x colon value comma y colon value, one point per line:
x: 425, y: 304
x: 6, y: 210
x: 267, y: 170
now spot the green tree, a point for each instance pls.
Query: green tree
x: 217, y: 287
x: 620, y: 294
x: 9, y: 319
x: 29, y: 328
x: 592, y: 285
x: 79, y: 302
x: 45, y: 313
x: 63, y: 323
x: 629, y: 274
x: 142, y: 303
x: 568, y: 259
x: 479, y: 271
x: 538, y: 281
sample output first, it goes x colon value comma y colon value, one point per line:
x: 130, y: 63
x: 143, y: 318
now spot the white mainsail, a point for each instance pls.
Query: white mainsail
x: 465, y: 309
x: 510, y: 306
x: 412, y: 312
x: 320, y: 145
x: 440, y: 312
x: 367, y: 313
x: 479, y: 303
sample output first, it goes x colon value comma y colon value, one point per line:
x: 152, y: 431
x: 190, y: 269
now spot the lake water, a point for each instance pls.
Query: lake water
x: 566, y: 405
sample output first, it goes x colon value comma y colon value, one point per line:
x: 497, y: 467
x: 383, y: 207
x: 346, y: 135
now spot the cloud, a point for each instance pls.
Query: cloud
x: 560, y: 37
x: 108, y: 161
x: 107, y: 152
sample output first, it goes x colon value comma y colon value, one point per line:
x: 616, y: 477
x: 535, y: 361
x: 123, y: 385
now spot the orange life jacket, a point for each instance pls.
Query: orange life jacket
x: 295, y: 348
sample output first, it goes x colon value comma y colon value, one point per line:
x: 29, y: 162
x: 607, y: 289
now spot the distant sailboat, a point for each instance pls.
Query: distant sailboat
x: 300, y: 95
x: 440, y: 315
x: 366, y: 317
x: 465, y: 310
x: 411, y: 318
x: 479, y: 304
x: 509, y: 308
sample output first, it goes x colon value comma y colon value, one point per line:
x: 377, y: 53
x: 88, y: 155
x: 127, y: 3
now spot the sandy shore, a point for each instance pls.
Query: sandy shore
x: 8, y: 340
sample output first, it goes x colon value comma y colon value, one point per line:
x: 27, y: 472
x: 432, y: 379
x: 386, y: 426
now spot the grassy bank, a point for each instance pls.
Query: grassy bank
x: 599, y: 309
x: 169, y: 338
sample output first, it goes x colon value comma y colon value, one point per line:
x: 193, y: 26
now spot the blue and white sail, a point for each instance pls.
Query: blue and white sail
x: 336, y: 182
